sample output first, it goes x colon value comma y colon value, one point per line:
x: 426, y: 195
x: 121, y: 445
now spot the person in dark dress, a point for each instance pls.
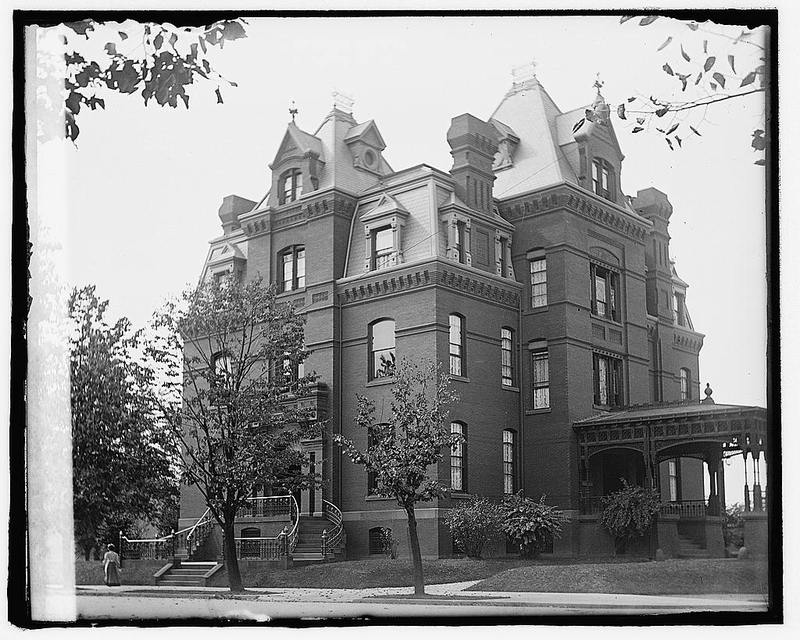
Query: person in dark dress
x: 111, y: 567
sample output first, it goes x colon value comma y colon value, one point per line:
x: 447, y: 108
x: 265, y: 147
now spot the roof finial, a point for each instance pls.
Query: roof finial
x: 293, y: 111
x: 708, y: 391
x: 598, y: 83
x: 343, y: 102
x: 524, y: 72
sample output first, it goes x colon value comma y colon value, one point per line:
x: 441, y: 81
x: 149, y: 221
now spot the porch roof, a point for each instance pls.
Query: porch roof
x: 668, y: 411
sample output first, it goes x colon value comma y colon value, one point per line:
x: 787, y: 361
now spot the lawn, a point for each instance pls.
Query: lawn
x: 380, y: 572
x: 567, y: 576
x: 647, y: 578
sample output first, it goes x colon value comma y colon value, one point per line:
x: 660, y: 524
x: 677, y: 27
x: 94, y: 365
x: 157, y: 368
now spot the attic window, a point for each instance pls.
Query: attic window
x: 291, y: 186
x: 369, y: 158
x: 603, y: 179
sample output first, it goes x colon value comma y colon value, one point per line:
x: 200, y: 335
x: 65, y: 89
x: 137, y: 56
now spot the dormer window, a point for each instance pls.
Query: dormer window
x: 291, y: 186
x: 382, y: 248
x: 603, y: 179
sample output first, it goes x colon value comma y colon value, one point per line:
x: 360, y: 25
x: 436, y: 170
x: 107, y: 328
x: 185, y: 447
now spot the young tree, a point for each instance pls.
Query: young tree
x: 96, y: 59
x: 403, y: 451
x: 122, y: 467
x: 237, y: 425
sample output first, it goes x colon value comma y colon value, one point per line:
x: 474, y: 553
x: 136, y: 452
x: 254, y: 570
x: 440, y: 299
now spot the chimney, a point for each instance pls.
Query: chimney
x: 230, y: 210
x: 473, y: 145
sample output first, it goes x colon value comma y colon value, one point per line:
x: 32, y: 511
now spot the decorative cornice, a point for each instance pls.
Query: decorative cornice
x: 688, y: 341
x: 584, y: 205
x: 330, y: 203
x: 427, y: 275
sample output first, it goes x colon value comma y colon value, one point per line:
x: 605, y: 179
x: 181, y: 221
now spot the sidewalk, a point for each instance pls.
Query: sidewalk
x: 450, y: 594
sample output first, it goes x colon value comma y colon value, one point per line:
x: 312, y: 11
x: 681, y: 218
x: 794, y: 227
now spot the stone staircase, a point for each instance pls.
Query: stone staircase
x: 309, y: 540
x: 187, y: 574
x: 690, y: 548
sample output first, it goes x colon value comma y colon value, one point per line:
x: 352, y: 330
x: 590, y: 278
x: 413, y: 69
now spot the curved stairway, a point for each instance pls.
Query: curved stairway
x: 309, y: 540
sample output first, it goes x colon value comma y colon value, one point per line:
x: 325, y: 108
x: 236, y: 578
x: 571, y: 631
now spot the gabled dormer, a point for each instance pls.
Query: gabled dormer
x: 296, y: 167
x: 507, y: 142
x: 383, y: 233
x: 599, y: 157
x: 366, y: 145
x: 225, y: 260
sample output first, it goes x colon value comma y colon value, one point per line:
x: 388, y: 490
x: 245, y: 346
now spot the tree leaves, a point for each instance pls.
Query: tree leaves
x: 709, y: 63
x: 730, y: 62
x: 662, y: 111
x: 685, y: 55
x: 759, y: 142
x: 719, y: 78
x: 695, y: 131
x: 219, y: 95
x: 668, y: 70
x: 624, y: 19
x: 621, y: 111
x: 637, y: 129
x: 665, y: 44
x: 647, y: 20
x: 748, y: 79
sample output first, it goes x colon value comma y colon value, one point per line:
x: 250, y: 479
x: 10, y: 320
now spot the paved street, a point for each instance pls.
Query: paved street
x: 139, y: 603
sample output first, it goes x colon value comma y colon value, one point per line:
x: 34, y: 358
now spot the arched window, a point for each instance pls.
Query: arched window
x: 290, y: 185
x: 458, y: 458
x: 381, y: 349
x: 509, y: 458
x: 250, y: 548
x: 292, y: 268
x: 457, y: 350
x: 378, y: 537
x: 686, y: 384
x: 219, y: 381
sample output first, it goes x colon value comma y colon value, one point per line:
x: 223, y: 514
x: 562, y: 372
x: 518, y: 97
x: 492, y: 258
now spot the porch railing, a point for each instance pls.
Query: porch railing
x: 273, y: 548
x: 685, y: 508
x: 593, y: 505
x: 332, y: 538
x: 267, y: 507
x: 183, y: 542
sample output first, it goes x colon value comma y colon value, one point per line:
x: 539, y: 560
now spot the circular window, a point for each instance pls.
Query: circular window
x: 369, y: 158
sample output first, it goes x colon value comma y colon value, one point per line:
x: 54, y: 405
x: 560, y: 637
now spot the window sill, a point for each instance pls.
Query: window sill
x: 606, y: 407
x: 605, y: 319
x: 379, y: 382
x: 506, y: 387
x: 532, y: 412
x: 535, y: 310
x: 460, y: 495
x: 290, y: 292
x: 459, y: 378
x: 377, y: 499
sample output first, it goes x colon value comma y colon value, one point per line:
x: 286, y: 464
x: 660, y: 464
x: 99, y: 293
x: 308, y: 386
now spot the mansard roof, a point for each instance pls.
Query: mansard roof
x: 296, y: 138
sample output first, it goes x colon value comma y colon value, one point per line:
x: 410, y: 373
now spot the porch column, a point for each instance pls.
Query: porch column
x: 721, y: 484
x: 746, y: 487
x: 713, y: 462
x: 757, y: 503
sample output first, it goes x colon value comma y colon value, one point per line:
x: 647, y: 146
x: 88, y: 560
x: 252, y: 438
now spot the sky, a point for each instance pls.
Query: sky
x: 136, y: 200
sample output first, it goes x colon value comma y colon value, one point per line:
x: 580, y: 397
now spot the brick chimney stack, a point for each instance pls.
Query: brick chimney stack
x: 473, y: 145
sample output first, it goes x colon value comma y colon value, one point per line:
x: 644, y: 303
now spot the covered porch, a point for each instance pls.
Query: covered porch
x: 680, y: 450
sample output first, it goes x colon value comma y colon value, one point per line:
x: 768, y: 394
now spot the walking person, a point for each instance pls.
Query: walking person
x: 111, y: 567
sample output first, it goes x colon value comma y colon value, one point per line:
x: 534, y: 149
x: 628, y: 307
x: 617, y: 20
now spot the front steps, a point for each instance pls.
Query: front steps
x: 187, y: 574
x: 689, y: 548
x: 308, y: 549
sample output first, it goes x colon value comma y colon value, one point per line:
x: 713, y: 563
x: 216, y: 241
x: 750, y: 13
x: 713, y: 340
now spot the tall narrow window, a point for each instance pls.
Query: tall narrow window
x: 292, y: 261
x: 538, y: 268
x: 461, y: 233
x: 291, y: 184
x: 540, y: 375
x: 381, y: 349
x: 458, y: 459
x: 456, y: 345
x: 372, y: 477
x: 607, y: 381
x: 509, y: 483
x: 686, y: 384
x: 604, y: 292
x: 382, y: 248
x: 602, y: 179
x: 507, y: 357
x: 680, y: 309
x: 672, y: 467
x: 503, y: 261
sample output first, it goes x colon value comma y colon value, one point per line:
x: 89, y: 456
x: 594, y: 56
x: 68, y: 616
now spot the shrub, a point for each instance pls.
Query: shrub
x: 734, y: 526
x: 474, y: 524
x: 629, y: 512
x: 531, y: 525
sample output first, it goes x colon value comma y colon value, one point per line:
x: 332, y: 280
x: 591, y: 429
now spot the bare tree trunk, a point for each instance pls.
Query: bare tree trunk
x: 229, y: 557
x: 416, y: 556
